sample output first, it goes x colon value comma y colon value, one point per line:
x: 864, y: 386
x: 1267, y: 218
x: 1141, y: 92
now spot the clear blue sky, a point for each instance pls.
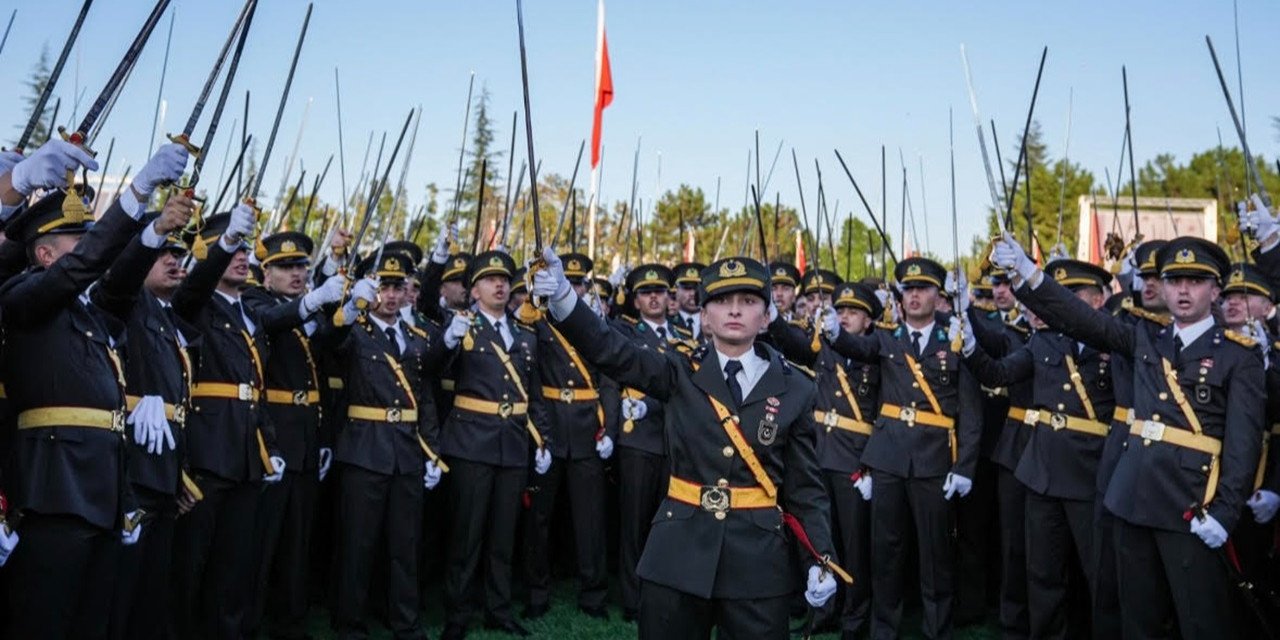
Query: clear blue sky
x: 695, y: 79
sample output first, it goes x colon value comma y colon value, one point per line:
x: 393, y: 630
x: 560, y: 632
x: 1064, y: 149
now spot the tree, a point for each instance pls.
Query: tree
x: 482, y: 155
x: 36, y: 84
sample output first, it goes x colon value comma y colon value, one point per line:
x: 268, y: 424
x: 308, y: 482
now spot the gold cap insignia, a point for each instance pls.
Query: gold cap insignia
x: 459, y: 263
x: 1237, y: 277
x: 780, y: 272
x: 392, y: 264
x: 913, y: 270
x: 1185, y: 256
x: 846, y: 296
x: 574, y: 265
x: 1060, y: 274
x: 495, y: 262
x: 288, y: 247
x: 731, y: 269
x: 651, y: 275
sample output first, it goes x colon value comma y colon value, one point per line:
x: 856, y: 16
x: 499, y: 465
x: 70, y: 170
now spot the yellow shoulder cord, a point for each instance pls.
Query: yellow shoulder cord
x: 260, y: 383
x: 918, y: 373
x: 848, y: 394
x: 413, y: 403
x: 586, y: 375
x: 1078, y: 383
x: 730, y: 424
x: 1171, y: 378
x: 524, y: 395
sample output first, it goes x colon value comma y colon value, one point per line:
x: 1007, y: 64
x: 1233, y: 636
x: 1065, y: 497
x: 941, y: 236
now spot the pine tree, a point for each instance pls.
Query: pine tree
x: 36, y: 84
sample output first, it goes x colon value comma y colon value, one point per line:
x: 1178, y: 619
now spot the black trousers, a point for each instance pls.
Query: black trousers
x: 1172, y: 585
x: 586, y: 486
x: 1015, y: 618
x: 975, y: 532
x: 643, y: 484
x: 851, y: 522
x: 60, y: 578
x: 1054, y: 528
x: 283, y: 533
x: 486, y: 505
x: 378, y: 517
x: 1106, y: 584
x: 896, y: 502
x: 142, y: 596
x: 668, y: 614
x: 213, y: 560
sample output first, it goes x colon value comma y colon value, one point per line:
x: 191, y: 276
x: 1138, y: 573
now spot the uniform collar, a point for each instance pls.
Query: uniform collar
x: 1193, y: 331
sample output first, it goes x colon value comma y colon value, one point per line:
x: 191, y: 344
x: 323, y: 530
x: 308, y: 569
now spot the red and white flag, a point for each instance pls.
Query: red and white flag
x: 604, y: 85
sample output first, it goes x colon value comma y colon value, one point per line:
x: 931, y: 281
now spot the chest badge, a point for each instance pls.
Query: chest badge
x: 768, y: 431
x: 1202, y: 393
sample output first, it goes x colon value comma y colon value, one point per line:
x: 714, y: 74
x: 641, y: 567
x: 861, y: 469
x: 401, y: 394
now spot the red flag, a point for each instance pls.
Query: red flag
x: 1095, y: 237
x: 604, y: 85
x: 800, y: 261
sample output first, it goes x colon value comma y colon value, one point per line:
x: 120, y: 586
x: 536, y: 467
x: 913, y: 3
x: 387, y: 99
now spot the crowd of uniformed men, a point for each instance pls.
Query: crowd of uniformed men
x: 203, y: 429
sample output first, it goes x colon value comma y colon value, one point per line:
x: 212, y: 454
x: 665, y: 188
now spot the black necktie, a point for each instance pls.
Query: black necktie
x: 662, y: 332
x: 395, y: 343
x: 238, y: 314
x: 731, y: 370
x: 1177, y: 350
x: 915, y: 342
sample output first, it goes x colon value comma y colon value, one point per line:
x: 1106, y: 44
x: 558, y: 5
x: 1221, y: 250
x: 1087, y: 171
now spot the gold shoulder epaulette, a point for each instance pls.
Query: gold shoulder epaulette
x: 1019, y: 327
x: 1240, y: 339
x: 984, y: 305
x: 805, y: 370
x: 1162, y: 319
x: 887, y: 326
x: 420, y: 333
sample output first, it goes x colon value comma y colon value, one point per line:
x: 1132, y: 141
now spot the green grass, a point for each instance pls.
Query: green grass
x: 565, y: 622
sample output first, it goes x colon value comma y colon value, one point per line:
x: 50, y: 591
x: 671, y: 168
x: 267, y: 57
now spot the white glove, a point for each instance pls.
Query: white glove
x: 8, y: 541
x: 243, y: 220
x: 1264, y: 504
x: 633, y: 409
x: 541, y: 461
x: 1008, y: 255
x: 165, y: 167
x: 47, y: 167
x: 457, y: 329
x: 326, y: 461
x: 131, y: 536
x: 364, y: 289
x: 1209, y: 530
x: 604, y: 447
x: 150, y: 426
x: 328, y: 292
x: 962, y: 295
x: 863, y: 485
x: 1259, y: 221
x: 618, y: 276
x: 440, y: 250
x: 277, y: 463
x: 956, y: 484
x: 968, y: 342
x: 549, y: 282
x: 820, y: 587
x: 431, y: 477
x: 830, y: 323
x: 1128, y: 264
x: 8, y: 160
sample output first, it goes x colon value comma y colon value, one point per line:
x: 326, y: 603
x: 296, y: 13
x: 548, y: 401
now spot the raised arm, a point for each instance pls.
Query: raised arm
x: 623, y: 360
x: 1000, y: 372
x: 1063, y: 311
x: 793, y: 342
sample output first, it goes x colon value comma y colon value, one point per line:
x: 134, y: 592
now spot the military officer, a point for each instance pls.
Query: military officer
x: 923, y: 447
x: 498, y: 417
x: 784, y: 278
x: 1187, y: 468
x: 716, y: 555
x: 688, y: 276
x: 818, y: 285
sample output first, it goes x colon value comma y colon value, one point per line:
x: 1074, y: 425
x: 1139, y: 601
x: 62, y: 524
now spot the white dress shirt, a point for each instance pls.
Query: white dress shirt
x: 924, y: 335
x: 753, y: 368
x: 244, y: 317
x: 694, y: 321
x: 1191, y: 332
x: 503, y: 325
x: 665, y: 326
x: 395, y: 327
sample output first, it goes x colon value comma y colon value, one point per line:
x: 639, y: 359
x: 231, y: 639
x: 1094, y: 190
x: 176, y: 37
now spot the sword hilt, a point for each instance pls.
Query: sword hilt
x: 185, y: 141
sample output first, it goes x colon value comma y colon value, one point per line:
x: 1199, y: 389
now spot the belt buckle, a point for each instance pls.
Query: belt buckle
x: 300, y: 398
x: 1031, y: 417
x: 566, y: 395
x: 1058, y: 421
x: 908, y: 415
x: 714, y: 500
x: 393, y: 415
x: 504, y: 410
x: 830, y: 419
x: 117, y: 421
x: 244, y: 392
x: 1152, y: 430
x: 180, y: 414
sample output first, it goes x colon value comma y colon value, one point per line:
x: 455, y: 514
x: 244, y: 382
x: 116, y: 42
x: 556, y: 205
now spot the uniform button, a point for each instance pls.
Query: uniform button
x: 722, y: 483
x: 839, y: 394
x: 504, y: 396
x: 1163, y: 396
x: 1204, y: 468
x: 506, y: 377
x: 1066, y: 386
x: 226, y: 326
x: 720, y: 515
x: 1203, y: 371
x: 1155, y: 417
x: 728, y: 451
x: 669, y: 514
x: 915, y: 385
x: 88, y: 334
x: 1201, y: 379
x: 571, y: 383
x: 1062, y: 407
x: 1146, y: 443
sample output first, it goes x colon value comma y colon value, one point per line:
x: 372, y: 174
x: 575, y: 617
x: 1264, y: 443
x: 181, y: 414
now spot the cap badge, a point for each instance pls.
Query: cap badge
x: 495, y: 261
x: 1185, y: 256
x: 913, y: 270
x: 732, y: 269
x: 392, y: 264
x: 1060, y: 274
x: 651, y: 275
x: 574, y: 265
x: 288, y: 246
x: 1237, y: 277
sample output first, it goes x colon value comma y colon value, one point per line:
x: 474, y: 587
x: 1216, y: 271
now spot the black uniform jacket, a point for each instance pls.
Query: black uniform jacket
x: 1004, y: 435
x: 646, y: 434
x: 223, y: 433
x: 1156, y: 482
x: 576, y: 424
x: 1056, y: 462
x: 745, y: 554
x: 476, y: 365
x: 839, y: 449
x: 61, y: 352
x: 919, y: 450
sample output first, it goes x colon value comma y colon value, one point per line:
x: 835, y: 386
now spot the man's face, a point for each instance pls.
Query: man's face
x: 1153, y: 295
x: 165, y: 275
x: 288, y: 280
x: 1189, y: 299
x: 238, y: 270
x: 802, y: 306
x: 411, y: 291
x: 687, y: 298
x: 854, y: 320
x: 651, y: 303
x: 784, y: 297
x: 1002, y: 292
x: 455, y: 295
x: 1091, y: 295
x: 816, y: 299
x: 919, y: 303
x: 390, y: 299
x: 1239, y: 307
x: 492, y: 292
x: 673, y: 304
x: 735, y: 318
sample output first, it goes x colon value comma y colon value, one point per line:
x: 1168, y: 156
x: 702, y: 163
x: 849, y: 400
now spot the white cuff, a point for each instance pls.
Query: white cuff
x: 227, y: 245
x: 129, y: 202
x: 1270, y: 243
x: 151, y: 238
